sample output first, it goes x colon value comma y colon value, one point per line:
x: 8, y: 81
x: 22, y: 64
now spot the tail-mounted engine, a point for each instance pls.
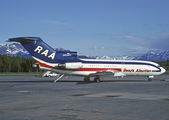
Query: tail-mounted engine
x: 71, y: 65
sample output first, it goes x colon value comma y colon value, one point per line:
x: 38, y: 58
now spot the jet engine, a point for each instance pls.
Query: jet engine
x: 71, y: 65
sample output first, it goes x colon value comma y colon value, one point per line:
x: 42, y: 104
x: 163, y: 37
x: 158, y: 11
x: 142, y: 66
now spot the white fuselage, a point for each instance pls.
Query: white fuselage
x: 117, y: 67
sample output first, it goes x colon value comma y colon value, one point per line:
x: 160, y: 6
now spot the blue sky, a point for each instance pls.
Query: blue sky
x: 90, y: 27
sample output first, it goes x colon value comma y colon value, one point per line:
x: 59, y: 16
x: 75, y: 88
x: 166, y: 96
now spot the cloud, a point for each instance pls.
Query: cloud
x: 160, y: 42
x: 93, y: 47
x: 149, y: 44
x: 136, y: 45
x: 126, y: 37
x: 141, y: 50
x: 101, y: 48
x: 96, y: 48
x: 132, y: 38
x: 155, y: 42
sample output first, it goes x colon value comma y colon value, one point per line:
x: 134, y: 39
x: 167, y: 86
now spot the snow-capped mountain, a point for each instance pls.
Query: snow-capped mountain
x: 151, y: 56
x: 115, y: 58
x: 16, y: 49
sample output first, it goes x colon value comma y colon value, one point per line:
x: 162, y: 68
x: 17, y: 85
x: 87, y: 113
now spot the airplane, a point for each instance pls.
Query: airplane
x: 68, y: 63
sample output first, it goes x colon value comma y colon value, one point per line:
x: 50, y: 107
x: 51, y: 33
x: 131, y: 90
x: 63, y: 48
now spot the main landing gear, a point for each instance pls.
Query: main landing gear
x: 87, y: 79
x: 97, y: 79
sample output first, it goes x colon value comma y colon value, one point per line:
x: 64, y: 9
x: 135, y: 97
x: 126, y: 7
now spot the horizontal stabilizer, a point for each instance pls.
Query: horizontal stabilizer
x: 23, y: 40
x: 20, y: 39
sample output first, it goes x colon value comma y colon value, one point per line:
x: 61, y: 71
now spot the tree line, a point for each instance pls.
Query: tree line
x: 164, y: 64
x: 16, y: 64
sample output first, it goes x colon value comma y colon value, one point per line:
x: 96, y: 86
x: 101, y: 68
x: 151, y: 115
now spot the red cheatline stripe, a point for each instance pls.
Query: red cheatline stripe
x: 84, y: 69
x: 44, y: 65
x: 99, y: 69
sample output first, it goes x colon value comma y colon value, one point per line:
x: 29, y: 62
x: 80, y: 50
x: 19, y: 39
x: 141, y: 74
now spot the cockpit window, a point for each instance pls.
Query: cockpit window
x: 158, y: 65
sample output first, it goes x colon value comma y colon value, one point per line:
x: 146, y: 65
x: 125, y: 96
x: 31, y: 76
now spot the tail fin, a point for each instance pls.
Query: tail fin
x: 37, y: 48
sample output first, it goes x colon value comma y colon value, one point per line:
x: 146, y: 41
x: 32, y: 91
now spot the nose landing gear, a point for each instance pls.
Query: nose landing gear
x: 150, y: 78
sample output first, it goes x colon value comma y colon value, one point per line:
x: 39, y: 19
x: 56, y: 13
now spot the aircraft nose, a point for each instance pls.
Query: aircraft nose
x: 163, y: 70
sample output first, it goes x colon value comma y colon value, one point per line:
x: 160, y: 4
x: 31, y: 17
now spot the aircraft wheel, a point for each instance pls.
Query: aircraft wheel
x: 87, y: 79
x: 150, y: 80
x: 96, y: 79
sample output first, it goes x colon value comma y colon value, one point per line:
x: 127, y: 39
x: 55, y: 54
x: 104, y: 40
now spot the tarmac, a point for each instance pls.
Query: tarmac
x: 130, y: 98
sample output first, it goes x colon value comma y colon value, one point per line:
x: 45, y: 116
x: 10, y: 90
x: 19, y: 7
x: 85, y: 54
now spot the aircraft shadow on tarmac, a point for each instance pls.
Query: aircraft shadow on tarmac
x: 77, y: 82
x: 81, y: 82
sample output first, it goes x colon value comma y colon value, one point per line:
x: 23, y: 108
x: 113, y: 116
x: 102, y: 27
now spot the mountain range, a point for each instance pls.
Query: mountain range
x: 151, y: 56
x: 16, y: 49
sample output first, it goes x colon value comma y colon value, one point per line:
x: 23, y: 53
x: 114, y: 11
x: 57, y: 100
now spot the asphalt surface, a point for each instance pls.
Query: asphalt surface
x: 130, y: 98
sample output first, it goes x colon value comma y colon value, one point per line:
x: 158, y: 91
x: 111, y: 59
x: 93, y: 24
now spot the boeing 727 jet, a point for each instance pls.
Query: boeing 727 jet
x: 68, y: 63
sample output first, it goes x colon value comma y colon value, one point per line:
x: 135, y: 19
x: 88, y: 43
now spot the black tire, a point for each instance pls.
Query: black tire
x: 87, y: 79
x: 150, y: 80
x: 96, y: 79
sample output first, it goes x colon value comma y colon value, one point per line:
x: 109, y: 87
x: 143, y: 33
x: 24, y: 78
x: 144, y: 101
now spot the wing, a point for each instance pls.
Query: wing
x: 107, y: 73
x: 102, y: 73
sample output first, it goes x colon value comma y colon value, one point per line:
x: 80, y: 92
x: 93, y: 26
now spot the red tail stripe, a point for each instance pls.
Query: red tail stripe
x: 44, y: 65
